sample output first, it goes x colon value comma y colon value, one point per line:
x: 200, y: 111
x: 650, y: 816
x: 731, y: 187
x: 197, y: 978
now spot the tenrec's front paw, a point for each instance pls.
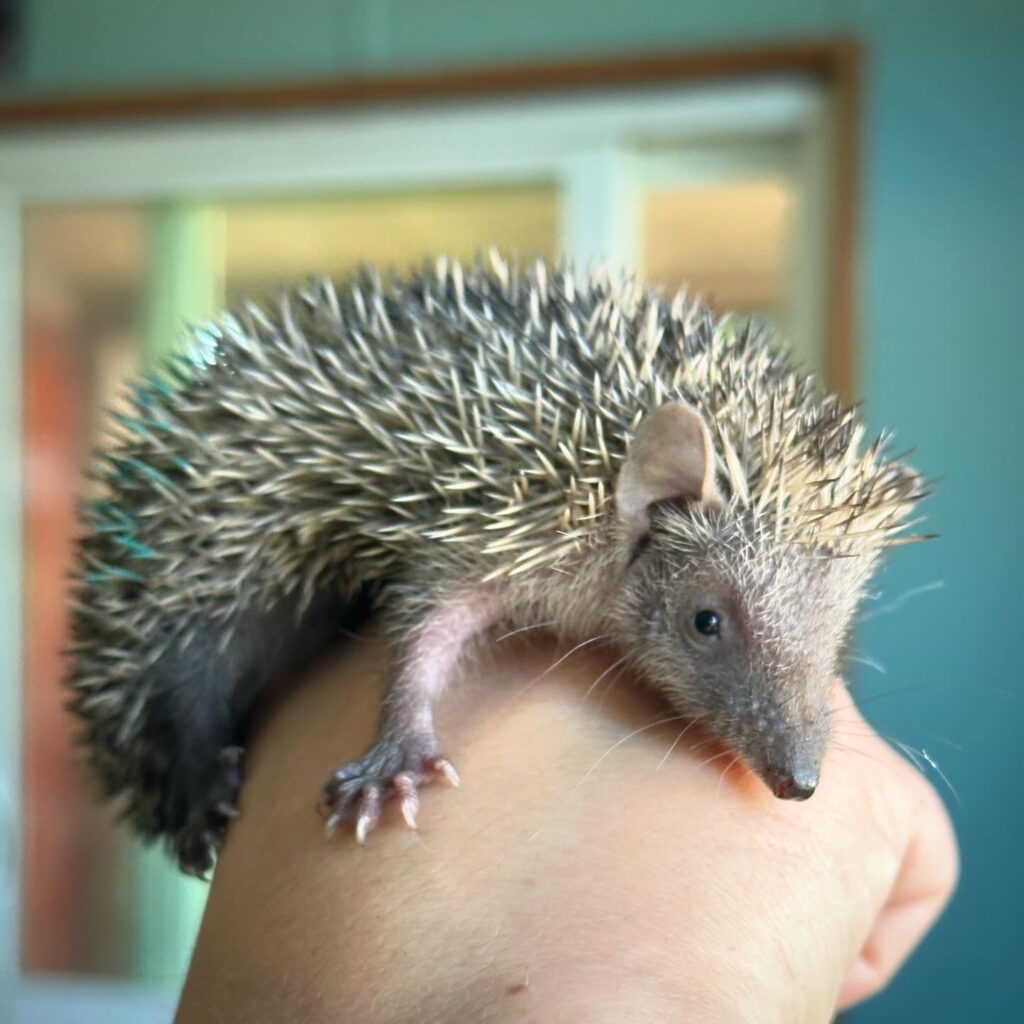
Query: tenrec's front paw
x: 389, y: 770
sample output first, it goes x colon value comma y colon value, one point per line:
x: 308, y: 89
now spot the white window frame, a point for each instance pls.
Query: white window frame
x: 590, y: 146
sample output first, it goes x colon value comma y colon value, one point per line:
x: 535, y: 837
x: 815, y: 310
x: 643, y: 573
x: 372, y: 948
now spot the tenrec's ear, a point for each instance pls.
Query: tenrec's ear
x: 670, y: 459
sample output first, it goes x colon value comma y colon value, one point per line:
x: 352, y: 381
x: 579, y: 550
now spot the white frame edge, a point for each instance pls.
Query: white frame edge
x: 10, y: 590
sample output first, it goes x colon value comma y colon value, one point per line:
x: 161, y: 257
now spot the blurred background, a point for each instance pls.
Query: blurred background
x: 876, y: 213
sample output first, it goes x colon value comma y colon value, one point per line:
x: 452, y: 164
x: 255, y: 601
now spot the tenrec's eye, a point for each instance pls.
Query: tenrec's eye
x: 707, y: 622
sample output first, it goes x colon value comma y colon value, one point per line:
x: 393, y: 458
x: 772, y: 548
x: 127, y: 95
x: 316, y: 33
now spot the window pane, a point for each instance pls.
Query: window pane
x: 730, y: 242
x: 268, y: 243
x: 742, y: 225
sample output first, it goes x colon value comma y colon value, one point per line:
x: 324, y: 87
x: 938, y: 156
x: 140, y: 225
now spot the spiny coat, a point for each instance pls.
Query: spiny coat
x: 365, y: 434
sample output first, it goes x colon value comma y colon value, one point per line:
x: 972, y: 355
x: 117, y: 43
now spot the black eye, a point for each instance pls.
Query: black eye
x: 707, y: 622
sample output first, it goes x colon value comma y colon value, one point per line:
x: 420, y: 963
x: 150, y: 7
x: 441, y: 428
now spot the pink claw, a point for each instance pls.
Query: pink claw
x: 443, y: 767
x: 409, y: 799
x: 369, y: 813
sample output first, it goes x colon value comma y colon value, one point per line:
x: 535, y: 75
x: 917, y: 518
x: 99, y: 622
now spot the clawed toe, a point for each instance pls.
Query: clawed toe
x: 441, y: 767
x: 356, y: 791
x: 197, y: 843
x: 369, y: 813
x: 409, y: 798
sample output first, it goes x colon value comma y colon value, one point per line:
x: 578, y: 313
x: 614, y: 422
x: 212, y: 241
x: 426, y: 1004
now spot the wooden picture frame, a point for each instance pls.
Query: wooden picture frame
x: 836, y: 64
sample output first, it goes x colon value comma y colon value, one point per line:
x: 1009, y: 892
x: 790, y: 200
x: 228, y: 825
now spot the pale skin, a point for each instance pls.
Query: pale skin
x: 577, y: 875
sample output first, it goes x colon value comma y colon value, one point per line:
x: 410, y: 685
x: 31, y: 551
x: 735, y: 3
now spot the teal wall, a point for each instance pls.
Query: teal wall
x: 942, y: 311
x: 943, y: 322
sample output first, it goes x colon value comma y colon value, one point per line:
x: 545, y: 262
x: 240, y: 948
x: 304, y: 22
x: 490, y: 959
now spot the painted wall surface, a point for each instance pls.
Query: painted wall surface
x: 942, y: 312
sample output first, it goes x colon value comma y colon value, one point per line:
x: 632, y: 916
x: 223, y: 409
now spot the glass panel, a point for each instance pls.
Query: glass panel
x: 741, y: 225
x: 730, y: 242
x: 267, y: 243
x: 108, y: 288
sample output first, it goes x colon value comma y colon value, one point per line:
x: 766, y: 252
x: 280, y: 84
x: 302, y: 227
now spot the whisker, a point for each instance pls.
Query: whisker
x: 942, y: 775
x: 611, y: 684
x: 713, y: 757
x: 916, y: 755
x: 525, y: 629
x: 897, y: 603
x: 675, y: 743
x: 551, y: 668
x: 850, y: 730
x: 843, y: 749
x: 863, y: 659
x: 860, y: 702
x: 861, y: 734
x: 611, y: 668
x: 725, y: 771
x: 615, y: 746
x: 568, y: 654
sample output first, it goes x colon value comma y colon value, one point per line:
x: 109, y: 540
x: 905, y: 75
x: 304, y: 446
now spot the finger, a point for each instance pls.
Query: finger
x: 924, y: 882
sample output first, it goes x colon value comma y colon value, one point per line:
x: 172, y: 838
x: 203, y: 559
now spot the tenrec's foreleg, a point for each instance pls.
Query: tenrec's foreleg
x: 406, y: 755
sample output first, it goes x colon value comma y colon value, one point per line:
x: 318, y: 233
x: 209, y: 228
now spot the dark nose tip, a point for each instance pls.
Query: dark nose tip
x: 796, y: 786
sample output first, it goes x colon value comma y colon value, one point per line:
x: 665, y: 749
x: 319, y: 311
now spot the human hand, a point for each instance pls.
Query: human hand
x: 576, y: 876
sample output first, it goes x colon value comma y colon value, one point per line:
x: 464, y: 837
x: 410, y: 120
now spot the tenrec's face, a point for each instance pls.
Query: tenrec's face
x: 747, y: 641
